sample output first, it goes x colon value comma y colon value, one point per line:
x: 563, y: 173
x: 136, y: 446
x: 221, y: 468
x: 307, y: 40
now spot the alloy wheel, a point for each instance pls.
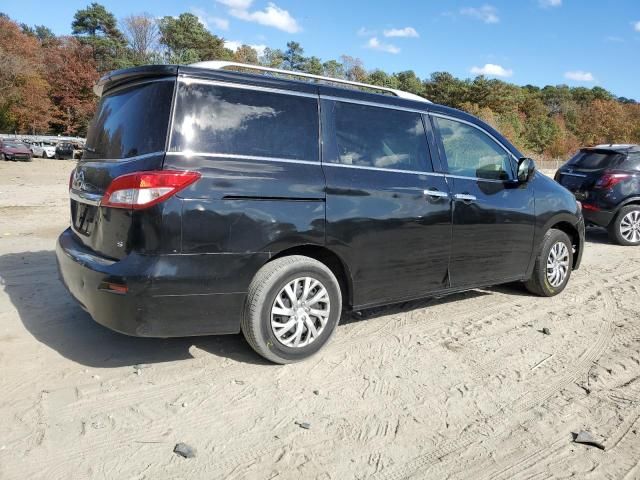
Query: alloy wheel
x: 630, y: 226
x: 557, y: 264
x: 300, y: 312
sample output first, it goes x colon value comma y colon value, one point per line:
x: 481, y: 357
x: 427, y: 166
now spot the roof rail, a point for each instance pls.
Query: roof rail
x: 222, y: 64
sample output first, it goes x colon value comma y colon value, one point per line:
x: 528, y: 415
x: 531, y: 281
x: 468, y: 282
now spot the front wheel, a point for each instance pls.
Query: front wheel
x: 625, y: 228
x: 553, y: 265
x: 293, y: 307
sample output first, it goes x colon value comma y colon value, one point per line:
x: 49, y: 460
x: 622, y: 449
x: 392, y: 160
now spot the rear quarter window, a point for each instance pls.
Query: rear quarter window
x: 238, y: 121
x: 632, y: 162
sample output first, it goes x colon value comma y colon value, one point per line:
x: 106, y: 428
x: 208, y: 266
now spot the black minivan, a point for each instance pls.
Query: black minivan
x: 214, y: 201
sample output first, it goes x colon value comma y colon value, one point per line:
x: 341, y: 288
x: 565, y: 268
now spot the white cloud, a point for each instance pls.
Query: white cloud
x: 636, y: 26
x: 375, y: 44
x: 271, y: 16
x: 236, y: 4
x: 579, y: 76
x: 209, y: 20
x: 492, y: 70
x: 235, y: 45
x: 550, y: 3
x: 486, y: 13
x: 401, y: 32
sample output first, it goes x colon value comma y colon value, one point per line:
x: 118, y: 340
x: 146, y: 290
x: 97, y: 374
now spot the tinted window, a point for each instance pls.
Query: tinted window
x: 224, y: 120
x: 130, y: 122
x: 379, y: 137
x: 596, y: 160
x: 472, y: 153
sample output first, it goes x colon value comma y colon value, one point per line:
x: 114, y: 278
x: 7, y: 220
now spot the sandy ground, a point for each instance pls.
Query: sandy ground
x: 461, y: 387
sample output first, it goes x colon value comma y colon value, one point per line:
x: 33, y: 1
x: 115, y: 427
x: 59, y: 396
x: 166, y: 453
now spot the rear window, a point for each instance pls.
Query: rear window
x: 130, y: 122
x: 596, y: 160
x: 236, y: 121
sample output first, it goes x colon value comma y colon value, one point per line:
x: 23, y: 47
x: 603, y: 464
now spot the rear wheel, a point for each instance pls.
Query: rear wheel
x: 293, y: 307
x: 625, y: 228
x: 554, y: 262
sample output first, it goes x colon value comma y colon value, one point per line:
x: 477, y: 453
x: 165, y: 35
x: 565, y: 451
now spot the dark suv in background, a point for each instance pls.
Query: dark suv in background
x: 606, y: 179
x: 211, y: 201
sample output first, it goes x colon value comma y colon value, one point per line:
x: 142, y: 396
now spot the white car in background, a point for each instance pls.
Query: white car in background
x: 43, y: 149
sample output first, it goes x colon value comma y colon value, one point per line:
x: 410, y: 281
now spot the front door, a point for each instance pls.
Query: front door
x: 493, y: 215
x: 388, y: 214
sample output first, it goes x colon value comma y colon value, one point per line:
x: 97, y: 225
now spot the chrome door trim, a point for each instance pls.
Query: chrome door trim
x: 477, y: 179
x: 571, y: 174
x: 379, y: 169
x: 233, y: 156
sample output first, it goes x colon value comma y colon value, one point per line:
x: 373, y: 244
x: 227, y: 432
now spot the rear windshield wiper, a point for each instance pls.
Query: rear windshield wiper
x: 89, y: 149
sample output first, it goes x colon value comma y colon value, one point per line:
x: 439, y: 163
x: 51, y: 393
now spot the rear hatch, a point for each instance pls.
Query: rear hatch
x: 580, y: 174
x: 127, y: 134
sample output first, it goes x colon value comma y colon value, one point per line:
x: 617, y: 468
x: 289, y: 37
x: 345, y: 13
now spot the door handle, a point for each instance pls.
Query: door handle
x: 436, y: 194
x: 465, y: 197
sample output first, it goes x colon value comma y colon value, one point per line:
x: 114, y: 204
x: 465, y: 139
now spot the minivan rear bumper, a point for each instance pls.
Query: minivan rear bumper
x: 167, y: 295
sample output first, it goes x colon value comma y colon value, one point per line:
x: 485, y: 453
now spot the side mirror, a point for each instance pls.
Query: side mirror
x: 526, y: 167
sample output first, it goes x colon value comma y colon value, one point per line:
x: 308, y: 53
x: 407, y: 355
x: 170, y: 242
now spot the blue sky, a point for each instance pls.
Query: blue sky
x: 577, y: 42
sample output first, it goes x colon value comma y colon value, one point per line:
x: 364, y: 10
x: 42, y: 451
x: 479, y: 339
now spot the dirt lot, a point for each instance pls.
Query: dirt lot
x: 461, y: 387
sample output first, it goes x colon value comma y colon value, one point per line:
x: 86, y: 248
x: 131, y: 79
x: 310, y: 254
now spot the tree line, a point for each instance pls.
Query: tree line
x: 46, y: 81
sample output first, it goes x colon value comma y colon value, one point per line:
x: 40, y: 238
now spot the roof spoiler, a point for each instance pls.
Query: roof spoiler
x: 118, y: 77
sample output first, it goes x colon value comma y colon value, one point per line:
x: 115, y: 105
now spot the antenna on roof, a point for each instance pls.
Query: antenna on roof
x: 222, y: 64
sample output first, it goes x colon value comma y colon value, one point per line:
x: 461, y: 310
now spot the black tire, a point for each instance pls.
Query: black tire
x: 539, y: 283
x: 266, y: 285
x: 614, y: 228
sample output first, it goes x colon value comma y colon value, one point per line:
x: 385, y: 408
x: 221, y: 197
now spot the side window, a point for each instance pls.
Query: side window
x: 379, y: 137
x: 632, y: 162
x: 472, y: 153
x: 225, y: 120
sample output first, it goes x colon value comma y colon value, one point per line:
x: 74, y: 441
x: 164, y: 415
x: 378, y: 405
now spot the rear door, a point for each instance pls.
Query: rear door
x: 493, y: 216
x: 388, y: 214
x: 127, y: 134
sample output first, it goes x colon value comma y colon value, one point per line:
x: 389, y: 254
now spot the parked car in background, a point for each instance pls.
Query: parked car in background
x: 64, y: 150
x: 606, y: 179
x: 43, y: 149
x: 14, y: 150
x: 241, y: 202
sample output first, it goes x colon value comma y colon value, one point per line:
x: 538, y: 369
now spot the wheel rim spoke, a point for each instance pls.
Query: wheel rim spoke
x: 557, y: 264
x: 630, y: 227
x: 300, y: 312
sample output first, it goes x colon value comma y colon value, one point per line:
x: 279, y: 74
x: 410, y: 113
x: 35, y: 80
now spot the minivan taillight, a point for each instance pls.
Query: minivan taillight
x: 141, y: 190
x: 609, y: 180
